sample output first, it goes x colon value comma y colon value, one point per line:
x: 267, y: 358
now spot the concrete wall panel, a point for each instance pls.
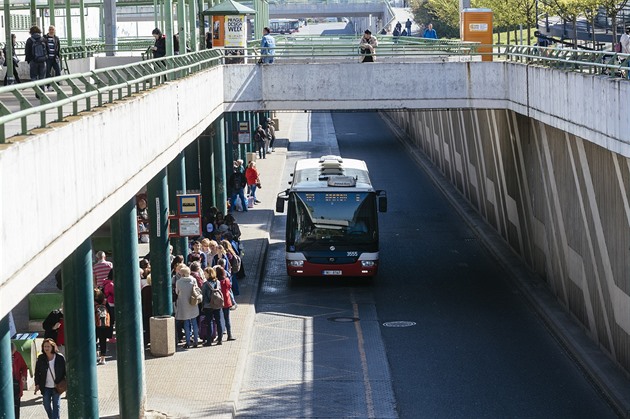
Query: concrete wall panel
x: 559, y: 201
x: 66, y: 181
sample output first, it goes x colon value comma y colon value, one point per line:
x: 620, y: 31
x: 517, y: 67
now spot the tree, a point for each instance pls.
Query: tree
x: 444, y: 14
x: 569, y: 10
x: 613, y: 7
x: 590, y: 8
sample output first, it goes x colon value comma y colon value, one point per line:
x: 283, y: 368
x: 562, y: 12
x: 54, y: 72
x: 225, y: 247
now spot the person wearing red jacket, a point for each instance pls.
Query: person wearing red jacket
x: 226, y: 286
x: 252, y: 176
x: 19, y: 378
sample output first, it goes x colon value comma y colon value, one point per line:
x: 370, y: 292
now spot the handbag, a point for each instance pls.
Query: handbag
x: 258, y: 185
x: 195, y: 296
x: 60, y: 387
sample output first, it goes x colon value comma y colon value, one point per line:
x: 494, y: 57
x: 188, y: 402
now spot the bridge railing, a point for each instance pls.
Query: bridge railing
x: 25, y: 101
x: 613, y: 64
x: 29, y: 104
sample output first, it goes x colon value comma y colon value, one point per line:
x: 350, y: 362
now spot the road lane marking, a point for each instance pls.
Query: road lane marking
x: 364, y: 365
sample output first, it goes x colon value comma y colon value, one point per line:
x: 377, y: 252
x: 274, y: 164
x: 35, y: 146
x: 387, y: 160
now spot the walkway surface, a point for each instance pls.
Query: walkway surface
x: 204, y: 381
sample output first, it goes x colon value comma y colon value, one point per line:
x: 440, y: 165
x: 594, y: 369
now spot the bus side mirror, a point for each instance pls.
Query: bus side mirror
x: 382, y: 201
x: 279, y: 205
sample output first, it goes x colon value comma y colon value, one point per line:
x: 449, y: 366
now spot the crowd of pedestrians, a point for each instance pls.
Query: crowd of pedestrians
x: 204, y: 284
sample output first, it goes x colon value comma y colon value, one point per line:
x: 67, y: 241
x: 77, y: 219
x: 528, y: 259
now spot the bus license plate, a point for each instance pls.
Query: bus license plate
x: 331, y: 272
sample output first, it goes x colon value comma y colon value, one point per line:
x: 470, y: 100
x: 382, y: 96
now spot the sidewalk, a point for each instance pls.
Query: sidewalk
x: 204, y: 381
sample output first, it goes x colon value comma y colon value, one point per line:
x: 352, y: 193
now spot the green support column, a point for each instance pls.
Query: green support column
x: 181, y: 25
x: 229, y: 136
x: 206, y: 170
x: 161, y: 287
x: 218, y: 145
x: 155, y: 13
x: 6, y: 375
x: 80, y: 333
x: 177, y: 185
x: 239, y: 146
x: 252, y: 129
x: 69, y: 23
x: 51, y: 11
x: 131, y: 378
x: 191, y: 152
x: 110, y: 23
x: 192, y: 25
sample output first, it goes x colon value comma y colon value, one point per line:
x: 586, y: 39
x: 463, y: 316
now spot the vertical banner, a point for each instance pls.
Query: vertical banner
x: 218, y: 31
x: 235, y: 35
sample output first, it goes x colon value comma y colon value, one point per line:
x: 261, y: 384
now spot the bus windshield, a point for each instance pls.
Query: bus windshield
x: 317, y: 220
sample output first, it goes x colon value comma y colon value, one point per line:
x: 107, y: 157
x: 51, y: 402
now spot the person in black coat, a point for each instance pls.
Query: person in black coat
x: 159, y: 48
x: 16, y: 62
x: 50, y: 369
x: 52, y: 323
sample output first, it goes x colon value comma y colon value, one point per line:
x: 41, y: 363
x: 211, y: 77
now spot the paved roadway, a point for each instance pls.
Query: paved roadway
x: 477, y: 349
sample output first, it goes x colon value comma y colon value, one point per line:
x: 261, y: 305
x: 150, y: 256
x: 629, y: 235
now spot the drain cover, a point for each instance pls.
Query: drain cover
x: 343, y: 319
x: 399, y: 324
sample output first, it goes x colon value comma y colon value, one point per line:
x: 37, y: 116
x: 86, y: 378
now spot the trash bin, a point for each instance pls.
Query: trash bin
x: 251, y: 157
x: 162, y: 335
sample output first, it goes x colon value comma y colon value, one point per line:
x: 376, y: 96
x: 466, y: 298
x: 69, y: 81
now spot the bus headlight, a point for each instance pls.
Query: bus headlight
x: 367, y: 263
x: 296, y: 263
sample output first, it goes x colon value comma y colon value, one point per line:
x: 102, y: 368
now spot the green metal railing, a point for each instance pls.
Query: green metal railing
x: 592, y: 62
x: 75, y: 93
x: 94, y: 88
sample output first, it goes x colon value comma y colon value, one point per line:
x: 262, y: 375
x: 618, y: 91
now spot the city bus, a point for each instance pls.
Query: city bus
x: 284, y: 26
x: 332, y: 218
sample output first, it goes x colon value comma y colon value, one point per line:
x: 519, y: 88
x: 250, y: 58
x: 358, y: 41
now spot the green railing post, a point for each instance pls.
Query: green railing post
x: 131, y: 379
x: 6, y: 374
x: 161, y: 287
x: 69, y: 23
x: 80, y: 333
x: 168, y: 32
x: 9, y: 44
x: 202, y: 25
x: 51, y: 11
x: 192, y: 14
x: 181, y: 25
x: 82, y: 27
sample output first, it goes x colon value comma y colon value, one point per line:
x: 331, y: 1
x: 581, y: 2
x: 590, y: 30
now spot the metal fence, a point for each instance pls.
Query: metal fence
x: 76, y: 93
x: 29, y: 104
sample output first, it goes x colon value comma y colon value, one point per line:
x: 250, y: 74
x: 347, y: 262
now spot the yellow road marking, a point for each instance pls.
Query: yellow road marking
x: 364, y: 364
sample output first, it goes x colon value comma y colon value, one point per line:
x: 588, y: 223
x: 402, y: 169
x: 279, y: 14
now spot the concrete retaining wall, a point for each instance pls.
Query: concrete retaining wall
x: 58, y: 186
x: 560, y: 201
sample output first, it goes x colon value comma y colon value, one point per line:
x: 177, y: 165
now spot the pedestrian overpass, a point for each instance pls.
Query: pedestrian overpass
x: 519, y: 137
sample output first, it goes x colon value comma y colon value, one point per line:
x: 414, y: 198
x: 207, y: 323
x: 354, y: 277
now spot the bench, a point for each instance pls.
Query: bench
x: 39, y: 307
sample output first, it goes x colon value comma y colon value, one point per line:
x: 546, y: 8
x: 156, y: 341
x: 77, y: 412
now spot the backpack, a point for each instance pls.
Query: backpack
x: 216, y: 298
x: 195, y: 296
x: 236, y: 264
x: 39, y: 50
x: 102, y: 316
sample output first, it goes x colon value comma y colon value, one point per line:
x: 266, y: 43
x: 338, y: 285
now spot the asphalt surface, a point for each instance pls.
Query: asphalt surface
x: 477, y: 348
